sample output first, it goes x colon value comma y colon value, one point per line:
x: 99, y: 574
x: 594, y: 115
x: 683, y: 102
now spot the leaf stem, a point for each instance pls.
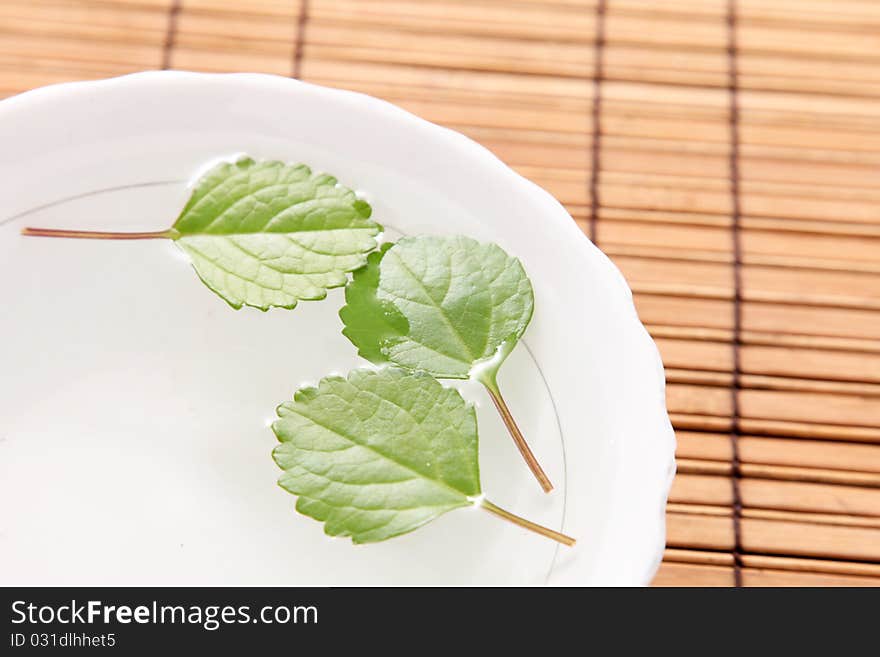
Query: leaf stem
x: 528, y: 524
x: 94, y: 234
x: 488, y: 380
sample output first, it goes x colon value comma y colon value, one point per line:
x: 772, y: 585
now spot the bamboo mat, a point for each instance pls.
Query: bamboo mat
x: 724, y: 153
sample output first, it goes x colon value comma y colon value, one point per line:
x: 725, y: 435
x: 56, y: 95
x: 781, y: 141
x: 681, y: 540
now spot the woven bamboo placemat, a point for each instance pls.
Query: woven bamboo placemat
x: 724, y: 153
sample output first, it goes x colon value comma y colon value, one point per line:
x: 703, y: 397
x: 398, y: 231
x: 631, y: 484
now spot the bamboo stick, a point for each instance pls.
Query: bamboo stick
x: 764, y: 561
x: 805, y: 322
x: 698, y: 532
x: 794, y: 564
x: 523, y: 21
x: 778, y: 428
x: 865, y: 346
x: 761, y: 451
x: 820, y: 520
x: 83, y: 21
x: 244, y: 62
x: 793, y: 363
x: 849, y: 14
x: 753, y: 382
x: 780, y: 495
x: 613, y: 248
x: 776, y: 405
x: 271, y: 8
x: 704, y: 557
x: 217, y: 31
x: 761, y: 535
x: 655, y: 240
x: 81, y: 54
x: 779, y: 472
x: 689, y: 278
x: 90, y: 6
x: 781, y: 367
x: 681, y: 574
x: 686, y: 574
x: 762, y: 577
x: 790, y: 229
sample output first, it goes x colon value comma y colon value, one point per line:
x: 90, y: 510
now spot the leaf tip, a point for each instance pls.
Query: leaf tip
x: 305, y: 393
x: 363, y: 208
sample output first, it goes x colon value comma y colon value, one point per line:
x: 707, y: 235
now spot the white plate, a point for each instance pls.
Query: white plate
x: 134, y: 402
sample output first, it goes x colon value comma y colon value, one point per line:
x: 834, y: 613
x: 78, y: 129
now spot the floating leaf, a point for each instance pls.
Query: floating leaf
x: 449, y: 306
x: 266, y: 234
x: 380, y: 453
x: 450, y: 303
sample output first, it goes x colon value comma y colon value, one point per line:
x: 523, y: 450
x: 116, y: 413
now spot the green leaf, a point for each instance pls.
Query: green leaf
x: 438, y: 304
x: 264, y: 234
x: 449, y: 306
x: 268, y: 234
x: 380, y: 453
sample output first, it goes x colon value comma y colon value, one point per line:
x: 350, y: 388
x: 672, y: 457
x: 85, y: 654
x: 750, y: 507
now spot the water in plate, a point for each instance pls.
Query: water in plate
x: 134, y: 406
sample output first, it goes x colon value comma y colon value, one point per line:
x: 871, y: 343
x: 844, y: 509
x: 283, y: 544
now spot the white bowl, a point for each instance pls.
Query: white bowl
x: 133, y: 402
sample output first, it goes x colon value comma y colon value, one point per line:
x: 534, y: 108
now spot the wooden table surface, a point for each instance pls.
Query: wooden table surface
x: 724, y: 153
